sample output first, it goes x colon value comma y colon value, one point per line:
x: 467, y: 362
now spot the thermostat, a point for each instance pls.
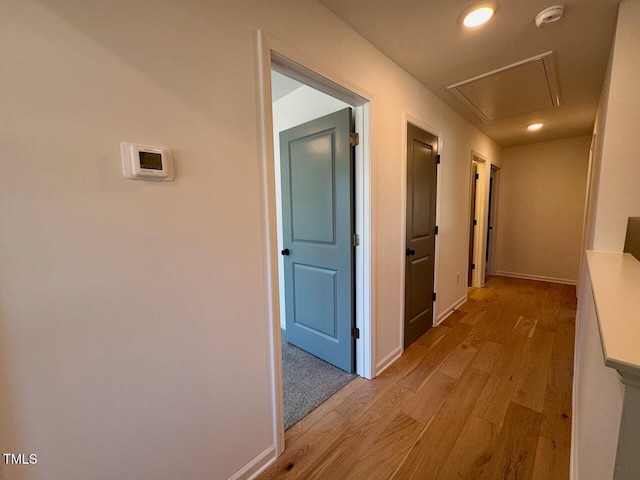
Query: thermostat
x: 143, y: 162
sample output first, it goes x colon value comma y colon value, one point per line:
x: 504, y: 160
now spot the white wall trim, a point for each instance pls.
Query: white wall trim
x: 257, y: 465
x: 270, y: 240
x: 388, y: 360
x: 541, y: 278
x: 444, y: 315
x: 289, y: 59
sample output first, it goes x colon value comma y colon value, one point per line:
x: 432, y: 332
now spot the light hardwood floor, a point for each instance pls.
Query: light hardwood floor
x: 486, y: 396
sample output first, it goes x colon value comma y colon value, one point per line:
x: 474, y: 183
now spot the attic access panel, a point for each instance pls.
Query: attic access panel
x: 524, y: 87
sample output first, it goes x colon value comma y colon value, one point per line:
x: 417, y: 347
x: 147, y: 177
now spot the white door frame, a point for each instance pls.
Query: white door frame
x: 481, y: 213
x: 272, y: 52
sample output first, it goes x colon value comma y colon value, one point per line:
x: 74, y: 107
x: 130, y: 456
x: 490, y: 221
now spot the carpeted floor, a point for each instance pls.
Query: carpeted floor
x: 307, y: 382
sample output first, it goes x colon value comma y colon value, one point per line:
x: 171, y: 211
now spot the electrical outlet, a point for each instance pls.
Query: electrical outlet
x: 458, y: 278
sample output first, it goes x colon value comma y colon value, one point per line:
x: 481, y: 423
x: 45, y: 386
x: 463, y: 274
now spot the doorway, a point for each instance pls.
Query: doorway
x: 422, y: 160
x: 483, y: 192
x: 490, y: 255
x: 273, y: 53
x: 314, y: 156
x: 473, y: 222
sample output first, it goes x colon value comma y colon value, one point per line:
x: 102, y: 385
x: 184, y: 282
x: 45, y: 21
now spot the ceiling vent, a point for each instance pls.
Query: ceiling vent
x: 524, y: 87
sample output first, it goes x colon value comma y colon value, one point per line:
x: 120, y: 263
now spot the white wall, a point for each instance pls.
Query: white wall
x: 541, y: 206
x: 612, y: 199
x: 302, y: 105
x: 598, y: 394
x: 133, y: 331
x: 619, y: 180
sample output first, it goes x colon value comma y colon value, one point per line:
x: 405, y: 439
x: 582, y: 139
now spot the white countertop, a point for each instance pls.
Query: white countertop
x: 615, y: 281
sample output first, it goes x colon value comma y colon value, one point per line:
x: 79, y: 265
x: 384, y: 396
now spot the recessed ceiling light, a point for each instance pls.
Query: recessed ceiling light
x: 478, y: 14
x: 535, y: 126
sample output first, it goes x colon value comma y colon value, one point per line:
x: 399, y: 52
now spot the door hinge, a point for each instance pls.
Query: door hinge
x: 355, y: 240
x: 434, y: 296
x: 477, y: 176
x: 438, y: 159
x: 475, y: 222
x: 354, y: 139
x: 473, y: 266
x: 435, y: 230
x: 355, y: 332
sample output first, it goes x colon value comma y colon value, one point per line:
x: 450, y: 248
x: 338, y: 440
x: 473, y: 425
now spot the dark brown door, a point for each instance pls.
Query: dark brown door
x: 422, y: 151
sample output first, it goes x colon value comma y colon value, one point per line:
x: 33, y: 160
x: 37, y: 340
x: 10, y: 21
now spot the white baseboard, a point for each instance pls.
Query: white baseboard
x: 443, y: 316
x: 257, y: 465
x: 541, y: 278
x: 388, y: 360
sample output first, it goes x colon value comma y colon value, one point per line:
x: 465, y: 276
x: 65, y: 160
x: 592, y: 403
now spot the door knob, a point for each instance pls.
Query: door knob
x: 410, y: 252
x: 285, y: 251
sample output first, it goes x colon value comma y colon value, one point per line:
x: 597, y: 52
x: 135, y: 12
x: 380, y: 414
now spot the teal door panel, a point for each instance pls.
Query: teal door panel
x: 316, y: 168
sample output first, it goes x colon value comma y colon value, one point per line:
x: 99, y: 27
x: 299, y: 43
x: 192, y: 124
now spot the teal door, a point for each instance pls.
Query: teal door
x: 316, y: 165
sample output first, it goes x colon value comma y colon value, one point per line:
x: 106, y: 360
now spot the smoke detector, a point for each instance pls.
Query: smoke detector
x: 549, y: 15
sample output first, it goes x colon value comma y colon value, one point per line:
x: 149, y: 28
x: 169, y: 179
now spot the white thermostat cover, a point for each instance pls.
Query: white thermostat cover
x: 145, y: 162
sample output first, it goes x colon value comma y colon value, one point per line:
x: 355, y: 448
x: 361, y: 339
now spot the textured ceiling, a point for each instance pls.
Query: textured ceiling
x: 425, y: 38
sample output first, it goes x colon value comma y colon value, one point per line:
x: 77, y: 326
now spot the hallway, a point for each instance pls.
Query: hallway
x: 485, y: 395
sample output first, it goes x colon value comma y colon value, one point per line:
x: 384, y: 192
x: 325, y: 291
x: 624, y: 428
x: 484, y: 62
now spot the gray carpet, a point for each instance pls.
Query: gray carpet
x: 307, y: 382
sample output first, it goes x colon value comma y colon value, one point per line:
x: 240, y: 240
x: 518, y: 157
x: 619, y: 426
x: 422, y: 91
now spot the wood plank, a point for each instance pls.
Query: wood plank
x: 308, y: 450
x: 550, y: 464
x: 496, y: 396
x: 337, y: 460
x: 471, y: 306
x: 531, y: 386
x: 557, y: 409
x: 455, y: 317
x: 499, y: 325
x: 385, y: 454
x: 408, y: 360
x: 381, y: 406
x: 472, y: 452
x: 432, y: 336
x: 515, y: 449
x: 364, y: 429
x: 430, y: 452
x: 434, y: 358
x: 488, y: 356
x: 423, y: 405
x: 525, y: 326
x: 472, y: 318
x: 458, y: 360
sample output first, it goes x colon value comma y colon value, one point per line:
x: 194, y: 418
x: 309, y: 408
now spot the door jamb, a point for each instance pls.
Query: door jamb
x: 272, y: 52
x: 491, y: 267
x: 408, y: 118
x: 482, y: 200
